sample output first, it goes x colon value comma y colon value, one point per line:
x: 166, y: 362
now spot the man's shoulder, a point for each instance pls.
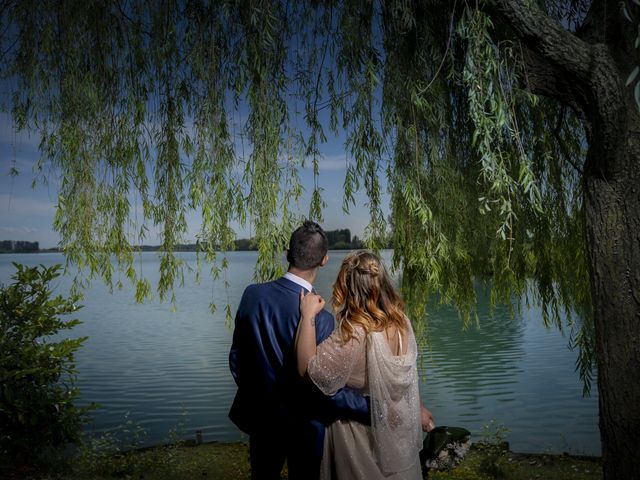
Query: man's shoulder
x: 267, y: 291
x: 324, y: 318
x: 261, y: 287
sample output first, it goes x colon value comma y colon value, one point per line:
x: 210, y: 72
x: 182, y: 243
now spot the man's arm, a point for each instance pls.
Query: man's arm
x: 236, y: 342
x: 348, y: 404
x: 233, y: 355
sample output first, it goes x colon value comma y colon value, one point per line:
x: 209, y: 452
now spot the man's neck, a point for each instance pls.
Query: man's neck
x: 308, y: 275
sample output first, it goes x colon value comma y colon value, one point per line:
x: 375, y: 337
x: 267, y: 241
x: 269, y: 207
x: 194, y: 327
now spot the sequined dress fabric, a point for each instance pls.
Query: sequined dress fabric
x: 388, y: 449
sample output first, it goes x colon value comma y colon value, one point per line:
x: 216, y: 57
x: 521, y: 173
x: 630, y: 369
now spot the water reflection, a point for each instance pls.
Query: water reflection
x: 481, y: 361
x: 510, y: 369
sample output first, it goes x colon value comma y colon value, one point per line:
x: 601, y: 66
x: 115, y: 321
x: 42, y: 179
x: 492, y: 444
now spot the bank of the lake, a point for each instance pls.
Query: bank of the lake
x: 229, y: 461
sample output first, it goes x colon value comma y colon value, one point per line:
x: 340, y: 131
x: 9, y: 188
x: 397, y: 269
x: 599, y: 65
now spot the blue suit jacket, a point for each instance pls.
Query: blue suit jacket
x: 270, y: 393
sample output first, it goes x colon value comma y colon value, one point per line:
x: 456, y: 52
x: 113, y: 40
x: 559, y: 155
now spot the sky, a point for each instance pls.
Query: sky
x: 27, y: 213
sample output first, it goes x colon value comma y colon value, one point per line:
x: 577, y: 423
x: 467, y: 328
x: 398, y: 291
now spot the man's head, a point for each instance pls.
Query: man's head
x: 308, y: 247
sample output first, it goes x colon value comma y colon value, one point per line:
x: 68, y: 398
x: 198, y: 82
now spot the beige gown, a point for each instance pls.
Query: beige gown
x: 389, y: 448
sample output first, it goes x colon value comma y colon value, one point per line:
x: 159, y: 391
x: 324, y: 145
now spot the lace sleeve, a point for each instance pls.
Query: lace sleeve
x: 333, y: 362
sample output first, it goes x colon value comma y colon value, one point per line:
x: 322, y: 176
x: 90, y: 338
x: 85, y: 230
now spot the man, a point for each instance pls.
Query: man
x: 284, y: 416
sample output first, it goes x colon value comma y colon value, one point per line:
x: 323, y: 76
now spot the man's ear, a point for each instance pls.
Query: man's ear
x: 324, y: 260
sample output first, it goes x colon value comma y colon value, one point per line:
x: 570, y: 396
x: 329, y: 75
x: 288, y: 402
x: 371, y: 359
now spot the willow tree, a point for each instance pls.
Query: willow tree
x: 507, y: 130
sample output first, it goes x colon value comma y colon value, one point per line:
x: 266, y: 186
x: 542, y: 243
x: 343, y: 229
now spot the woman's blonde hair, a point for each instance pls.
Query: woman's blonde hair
x: 364, y: 295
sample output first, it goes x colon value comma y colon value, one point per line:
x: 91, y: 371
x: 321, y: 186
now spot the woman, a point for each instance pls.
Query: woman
x: 373, y: 349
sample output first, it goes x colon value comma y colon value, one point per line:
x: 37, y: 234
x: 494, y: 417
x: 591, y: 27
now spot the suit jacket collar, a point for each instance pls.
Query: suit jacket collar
x: 299, y: 281
x: 288, y: 284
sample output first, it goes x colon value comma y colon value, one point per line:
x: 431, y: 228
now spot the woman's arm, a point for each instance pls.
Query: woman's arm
x: 305, y: 345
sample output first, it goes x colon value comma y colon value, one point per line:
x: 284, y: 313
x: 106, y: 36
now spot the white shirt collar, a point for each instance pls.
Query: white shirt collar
x: 300, y: 281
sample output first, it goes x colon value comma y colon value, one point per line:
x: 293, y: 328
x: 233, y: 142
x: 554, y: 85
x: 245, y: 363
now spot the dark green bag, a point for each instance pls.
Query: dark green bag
x: 444, y: 448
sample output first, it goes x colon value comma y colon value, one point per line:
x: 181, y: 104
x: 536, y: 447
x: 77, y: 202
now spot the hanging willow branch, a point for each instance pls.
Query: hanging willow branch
x: 150, y: 110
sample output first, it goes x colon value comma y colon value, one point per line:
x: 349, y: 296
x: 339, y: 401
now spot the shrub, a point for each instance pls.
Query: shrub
x: 37, y: 371
x: 493, y: 446
x: 118, y: 454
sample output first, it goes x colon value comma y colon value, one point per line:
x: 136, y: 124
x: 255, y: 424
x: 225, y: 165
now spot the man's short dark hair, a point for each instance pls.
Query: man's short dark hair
x: 307, y: 246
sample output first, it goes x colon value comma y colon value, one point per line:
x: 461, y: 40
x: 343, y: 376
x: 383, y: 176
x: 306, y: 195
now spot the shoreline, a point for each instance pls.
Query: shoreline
x: 191, y: 443
x: 223, y: 460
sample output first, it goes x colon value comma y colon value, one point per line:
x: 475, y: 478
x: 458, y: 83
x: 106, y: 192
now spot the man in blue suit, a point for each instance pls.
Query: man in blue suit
x: 283, y: 415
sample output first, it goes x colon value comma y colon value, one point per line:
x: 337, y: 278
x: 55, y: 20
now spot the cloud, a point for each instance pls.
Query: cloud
x: 329, y: 163
x: 21, y: 206
x: 27, y: 230
x: 23, y: 164
x: 333, y: 162
x: 24, y: 139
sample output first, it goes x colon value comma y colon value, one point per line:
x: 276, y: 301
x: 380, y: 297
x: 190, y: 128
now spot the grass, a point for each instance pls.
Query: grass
x: 207, y: 461
x: 518, y: 466
x: 229, y: 461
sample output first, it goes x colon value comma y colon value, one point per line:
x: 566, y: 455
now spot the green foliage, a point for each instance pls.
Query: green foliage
x: 633, y: 80
x: 102, y: 458
x: 121, y: 453
x: 494, y: 434
x: 484, y: 175
x: 37, y: 373
x: 148, y: 111
x: 493, y: 447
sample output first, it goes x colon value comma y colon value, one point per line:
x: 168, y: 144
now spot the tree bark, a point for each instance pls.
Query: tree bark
x: 612, y: 221
x: 587, y: 71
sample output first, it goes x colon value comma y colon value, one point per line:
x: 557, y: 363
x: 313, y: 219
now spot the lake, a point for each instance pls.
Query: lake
x: 158, y: 369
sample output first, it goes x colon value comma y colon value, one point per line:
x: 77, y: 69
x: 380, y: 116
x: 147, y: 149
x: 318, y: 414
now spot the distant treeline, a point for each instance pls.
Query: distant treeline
x: 18, y: 246
x: 338, y: 240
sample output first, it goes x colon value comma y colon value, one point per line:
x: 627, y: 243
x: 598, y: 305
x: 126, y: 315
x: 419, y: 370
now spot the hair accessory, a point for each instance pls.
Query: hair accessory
x: 365, y: 267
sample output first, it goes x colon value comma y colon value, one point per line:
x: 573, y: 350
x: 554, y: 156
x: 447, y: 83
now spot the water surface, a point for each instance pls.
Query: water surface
x: 155, y: 368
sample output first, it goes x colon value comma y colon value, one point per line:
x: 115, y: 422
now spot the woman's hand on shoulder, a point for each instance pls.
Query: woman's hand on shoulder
x: 310, y: 304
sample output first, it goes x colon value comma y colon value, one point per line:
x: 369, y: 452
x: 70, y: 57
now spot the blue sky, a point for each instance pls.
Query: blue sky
x: 27, y: 213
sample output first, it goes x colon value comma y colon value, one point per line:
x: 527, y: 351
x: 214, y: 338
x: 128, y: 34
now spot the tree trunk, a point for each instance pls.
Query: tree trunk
x: 612, y: 221
x: 587, y: 71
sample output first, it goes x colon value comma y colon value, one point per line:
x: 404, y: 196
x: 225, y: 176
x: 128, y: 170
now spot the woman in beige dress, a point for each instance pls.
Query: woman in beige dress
x: 373, y: 349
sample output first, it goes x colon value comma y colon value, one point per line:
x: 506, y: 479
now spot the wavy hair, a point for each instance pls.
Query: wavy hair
x: 364, y: 295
